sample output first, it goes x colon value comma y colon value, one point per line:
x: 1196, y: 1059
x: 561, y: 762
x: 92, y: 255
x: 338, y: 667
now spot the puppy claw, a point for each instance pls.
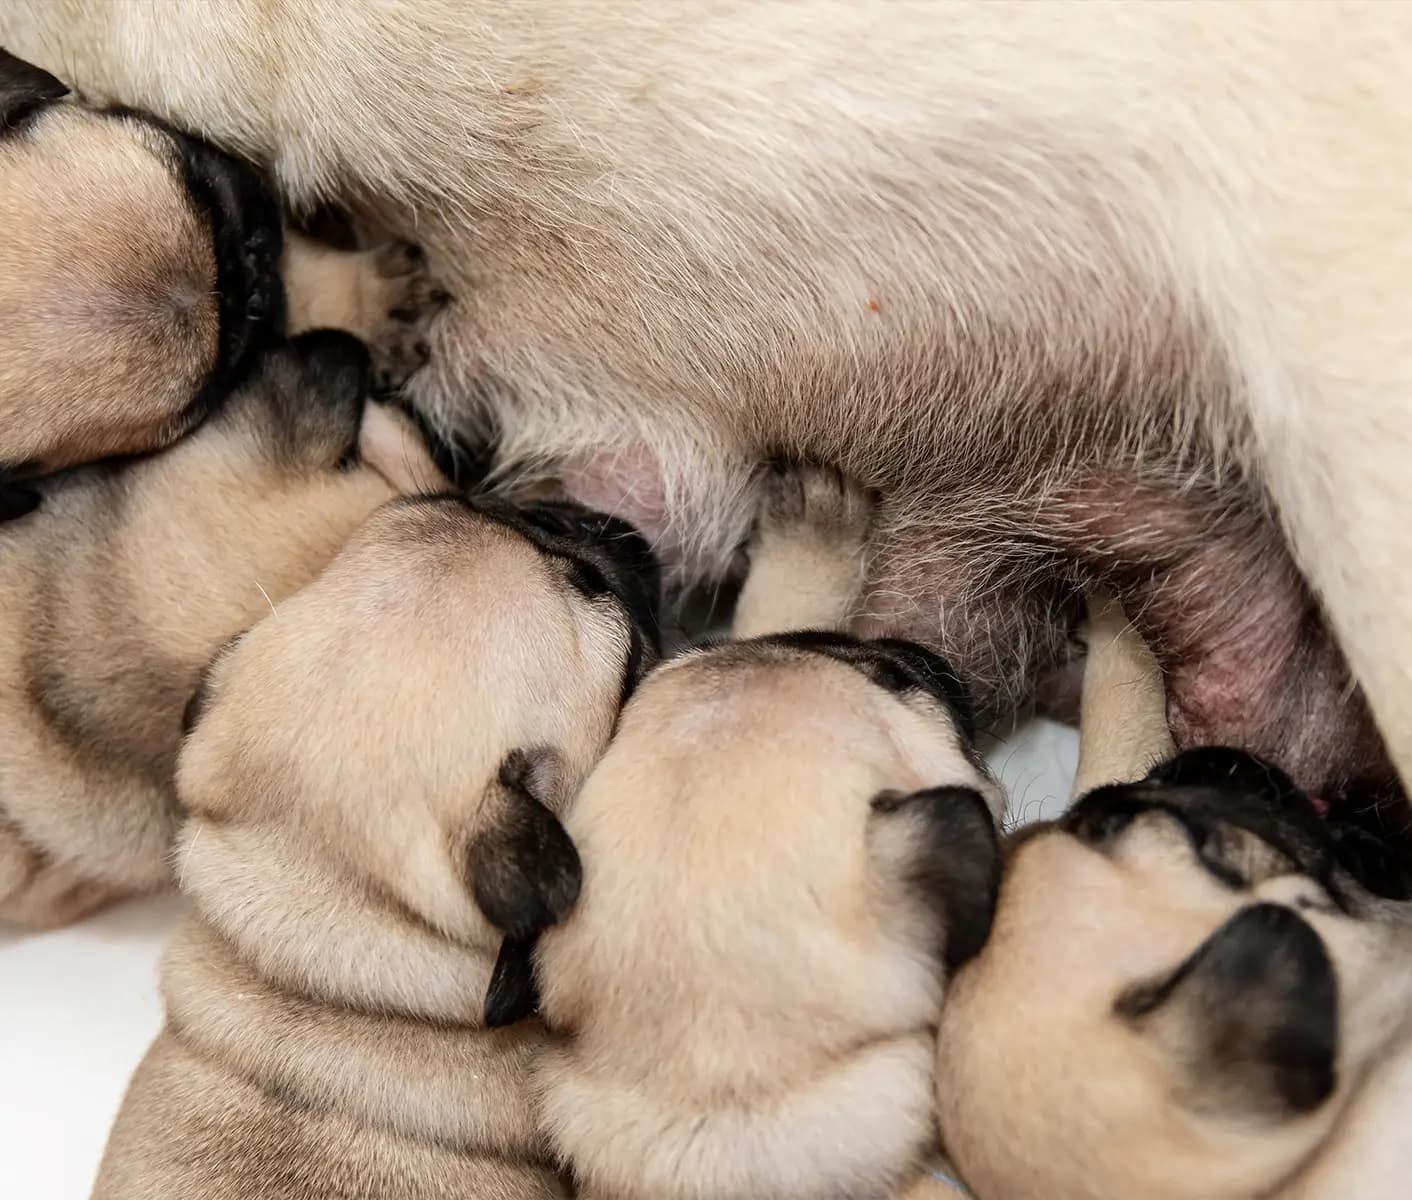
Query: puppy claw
x: 799, y: 498
x: 412, y: 297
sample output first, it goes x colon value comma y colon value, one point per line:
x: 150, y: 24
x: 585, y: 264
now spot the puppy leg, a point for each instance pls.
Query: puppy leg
x: 807, y: 554
x: 1123, y: 713
x: 390, y: 443
x: 386, y: 296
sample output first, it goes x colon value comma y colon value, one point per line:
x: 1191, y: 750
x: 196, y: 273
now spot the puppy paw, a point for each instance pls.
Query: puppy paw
x: 801, y: 500
x: 406, y: 298
x: 807, y: 554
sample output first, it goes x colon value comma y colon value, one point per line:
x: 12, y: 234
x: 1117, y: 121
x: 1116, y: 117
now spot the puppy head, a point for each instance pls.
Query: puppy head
x: 137, y: 276
x: 373, y: 772
x: 210, y: 533
x: 789, y: 843
x: 1179, y: 987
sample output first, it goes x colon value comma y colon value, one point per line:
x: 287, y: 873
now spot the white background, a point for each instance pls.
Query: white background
x: 79, y: 1006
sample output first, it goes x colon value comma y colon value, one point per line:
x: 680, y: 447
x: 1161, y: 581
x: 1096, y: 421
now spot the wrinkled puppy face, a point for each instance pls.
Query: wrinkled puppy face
x: 1181, y: 986
x: 373, y: 772
x: 137, y: 276
x: 786, y: 848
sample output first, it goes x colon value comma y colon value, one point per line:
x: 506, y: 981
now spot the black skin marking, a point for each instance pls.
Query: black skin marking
x: 24, y: 90
x: 16, y: 499
x: 1260, y: 999
x: 1237, y: 770
x: 1205, y: 789
x: 957, y: 868
x: 893, y: 664
x: 513, y: 994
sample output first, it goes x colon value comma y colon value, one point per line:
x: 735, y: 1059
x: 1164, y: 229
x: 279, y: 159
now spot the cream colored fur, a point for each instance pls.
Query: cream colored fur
x: 747, y: 989
x: 119, y: 590
x: 368, y: 765
x: 895, y: 237
x: 108, y: 291
x: 1044, y: 1093
x: 1123, y: 732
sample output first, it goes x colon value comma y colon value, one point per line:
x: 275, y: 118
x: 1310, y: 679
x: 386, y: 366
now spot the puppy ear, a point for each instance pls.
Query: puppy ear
x: 1251, y: 1017
x: 943, y: 843
x: 24, y: 88
x: 523, y: 871
x: 513, y: 994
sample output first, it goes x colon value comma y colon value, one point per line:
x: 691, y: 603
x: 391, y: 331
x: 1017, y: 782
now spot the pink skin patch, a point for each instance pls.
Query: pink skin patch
x: 623, y: 481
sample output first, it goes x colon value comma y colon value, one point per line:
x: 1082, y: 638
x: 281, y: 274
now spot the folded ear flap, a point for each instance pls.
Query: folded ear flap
x: 24, y: 88
x: 16, y: 500
x: 1251, y: 1018
x: 942, y: 843
x: 513, y: 994
x: 523, y: 870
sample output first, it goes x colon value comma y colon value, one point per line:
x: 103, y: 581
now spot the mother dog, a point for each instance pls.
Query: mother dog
x: 1087, y: 293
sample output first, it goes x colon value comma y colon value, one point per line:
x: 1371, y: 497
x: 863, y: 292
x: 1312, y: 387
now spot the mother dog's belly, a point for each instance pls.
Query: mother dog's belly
x: 1017, y: 462
x: 1036, y: 366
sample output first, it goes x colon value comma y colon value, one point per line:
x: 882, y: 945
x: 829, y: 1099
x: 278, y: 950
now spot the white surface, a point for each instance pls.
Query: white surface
x: 79, y: 1006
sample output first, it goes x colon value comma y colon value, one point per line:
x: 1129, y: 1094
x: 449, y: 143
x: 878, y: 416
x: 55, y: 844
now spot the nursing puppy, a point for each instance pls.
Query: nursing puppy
x: 1194, y: 987
x: 372, y: 781
x: 119, y: 588
x: 140, y: 276
x: 787, y: 847
x: 1090, y: 294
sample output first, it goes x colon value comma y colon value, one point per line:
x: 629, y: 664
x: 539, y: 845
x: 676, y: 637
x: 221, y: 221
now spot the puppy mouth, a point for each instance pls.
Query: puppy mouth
x: 247, y: 233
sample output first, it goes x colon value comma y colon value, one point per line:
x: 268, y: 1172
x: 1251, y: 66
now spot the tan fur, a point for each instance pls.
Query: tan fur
x: 382, y: 295
x: 350, y: 811
x: 117, y: 592
x: 1123, y: 728
x: 108, y: 291
x: 746, y: 989
x: 1044, y: 1092
x: 807, y: 555
x: 1080, y: 289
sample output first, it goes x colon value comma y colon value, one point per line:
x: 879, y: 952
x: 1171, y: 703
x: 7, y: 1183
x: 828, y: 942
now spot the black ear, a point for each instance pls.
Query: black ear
x: 513, y: 994
x: 16, y: 500
x: 1251, y: 1016
x: 524, y: 870
x: 943, y: 840
x: 24, y: 88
